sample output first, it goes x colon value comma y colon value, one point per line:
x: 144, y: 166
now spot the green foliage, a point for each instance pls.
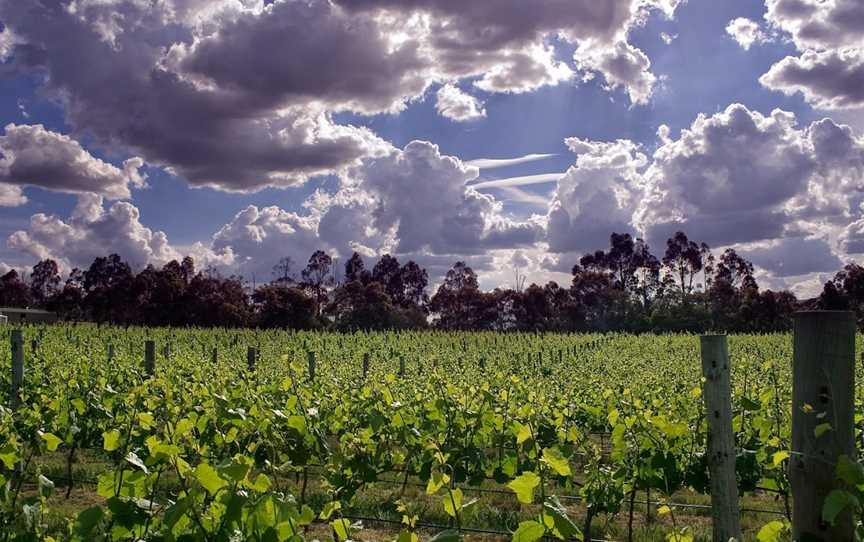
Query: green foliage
x: 201, y: 450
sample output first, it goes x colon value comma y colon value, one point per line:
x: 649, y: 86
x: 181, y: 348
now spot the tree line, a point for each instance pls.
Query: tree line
x: 622, y: 288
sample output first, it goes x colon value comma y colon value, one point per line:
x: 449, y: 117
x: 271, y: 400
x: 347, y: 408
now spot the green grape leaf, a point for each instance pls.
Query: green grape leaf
x: 111, y: 440
x: 52, y: 441
x: 770, y: 532
x: 329, y: 508
x: 436, y: 482
x: 452, y: 502
x: 779, y: 457
x: 209, y: 478
x: 342, y: 529
x: 559, y: 463
x: 9, y: 455
x: 524, y: 486
x: 87, y: 520
x: 529, y: 531
x: 523, y: 434
x: 821, y: 429
x: 850, y: 471
x: 835, y: 503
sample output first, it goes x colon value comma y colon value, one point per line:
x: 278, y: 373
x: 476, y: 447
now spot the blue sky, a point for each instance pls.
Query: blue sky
x: 357, y: 195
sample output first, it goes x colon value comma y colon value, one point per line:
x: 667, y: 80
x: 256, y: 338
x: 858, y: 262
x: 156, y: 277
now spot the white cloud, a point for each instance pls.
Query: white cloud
x: 739, y: 176
x: 34, y: 156
x: 523, y: 180
x: 622, y: 65
x: 494, y: 163
x: 746, y: 32
x: 90, y: 232
x: 668, y: 38
x: 597, y: 196
x: 11, y: 196
x: 832, y: 79
x: 458, y: 106
x: 829, y: 71
x: 421, y: 196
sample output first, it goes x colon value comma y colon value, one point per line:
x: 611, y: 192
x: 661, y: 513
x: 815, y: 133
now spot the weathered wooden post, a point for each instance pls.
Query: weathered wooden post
x: 150, y: 357
x: 17, y: 344
x: 311, y: 360
x: 717, y: 394
x: 110, y: 353
x: 823, y: 391
x: 365, y: 364
x: 215, y: 355
x: 401, y: 365
x: 251, y: 356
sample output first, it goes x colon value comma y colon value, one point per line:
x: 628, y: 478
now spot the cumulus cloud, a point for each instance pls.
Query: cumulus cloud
x: 34, y: 156
x: 816, y: 24
x: 852, y: 238
x: 452, y: 103
x: 739, y: 176
x: 90, y: 232
x: 622, y: 65
x: 746, y: 32
x: 832, y: 79
x: 421, y: 196
x: 598, y: 195
x: 11, y: 196
x: 829, y: 72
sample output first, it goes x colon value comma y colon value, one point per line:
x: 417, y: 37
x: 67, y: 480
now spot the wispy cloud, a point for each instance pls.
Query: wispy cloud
x: 517, y: 195
x: 493, y: 163
x: 518, y: 181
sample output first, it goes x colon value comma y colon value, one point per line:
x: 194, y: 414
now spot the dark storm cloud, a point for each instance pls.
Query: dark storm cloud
x: 269, y: 54
x: 125, y: 97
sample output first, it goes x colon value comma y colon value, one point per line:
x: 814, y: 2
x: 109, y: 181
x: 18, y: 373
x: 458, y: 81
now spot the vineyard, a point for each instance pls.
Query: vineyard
x: 194, y: 435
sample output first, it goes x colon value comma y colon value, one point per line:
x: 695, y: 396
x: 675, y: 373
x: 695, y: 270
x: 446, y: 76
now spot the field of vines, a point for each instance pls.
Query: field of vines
x: 383, y: 436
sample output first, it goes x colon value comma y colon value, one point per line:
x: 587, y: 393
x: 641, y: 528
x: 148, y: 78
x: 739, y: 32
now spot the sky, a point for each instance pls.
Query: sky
x: 507, y: 134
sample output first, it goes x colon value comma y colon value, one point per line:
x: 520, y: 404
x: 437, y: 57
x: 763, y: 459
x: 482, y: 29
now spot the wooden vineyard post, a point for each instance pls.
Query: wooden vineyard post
x: 215, y: 356
x: 401, y: 365
x: 717, y: 394
x: 823, y: 390
x: 251, y: 355
x: 311, y: 359
x: 110, y: 353
x: 150, y: 357
x: 17, y: 344
x: 365, y: 364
